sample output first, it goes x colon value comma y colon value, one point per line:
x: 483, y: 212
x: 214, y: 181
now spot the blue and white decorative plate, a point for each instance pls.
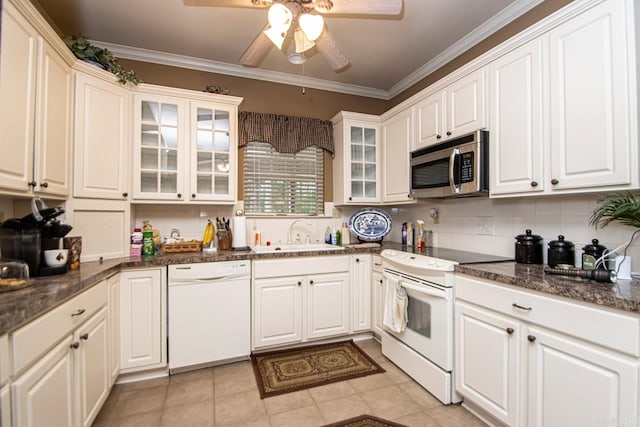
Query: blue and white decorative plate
x: 370, y: 224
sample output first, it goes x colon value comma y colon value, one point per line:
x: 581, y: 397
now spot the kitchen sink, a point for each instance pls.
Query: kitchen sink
x: 297, y: 248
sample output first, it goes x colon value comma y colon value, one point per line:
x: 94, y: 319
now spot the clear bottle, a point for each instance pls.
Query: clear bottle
x: 327, y: 235
x: 333, y: 236
x: 345, y: 234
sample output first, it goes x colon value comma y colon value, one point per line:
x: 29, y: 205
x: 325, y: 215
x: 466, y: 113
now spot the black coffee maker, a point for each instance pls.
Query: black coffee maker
x: 28, y: 237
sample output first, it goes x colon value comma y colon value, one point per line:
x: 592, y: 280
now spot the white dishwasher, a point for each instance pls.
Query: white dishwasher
x: 209, y: 314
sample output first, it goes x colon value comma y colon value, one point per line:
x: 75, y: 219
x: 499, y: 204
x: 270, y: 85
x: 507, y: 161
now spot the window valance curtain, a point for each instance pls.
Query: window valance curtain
x: 287, y: 134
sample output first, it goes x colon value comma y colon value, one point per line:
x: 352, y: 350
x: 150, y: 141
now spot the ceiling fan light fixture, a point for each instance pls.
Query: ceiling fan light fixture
x: 303, y: 44
x: 297, y: 58
x: 312, y: 25
x: 279, y: 16
x: 276, y: 35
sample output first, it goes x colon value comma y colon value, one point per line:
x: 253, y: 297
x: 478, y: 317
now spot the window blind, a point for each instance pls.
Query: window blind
x: 282, y: 183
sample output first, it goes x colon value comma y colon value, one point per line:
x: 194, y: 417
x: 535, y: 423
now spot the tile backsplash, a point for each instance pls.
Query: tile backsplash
x: 472, y: 224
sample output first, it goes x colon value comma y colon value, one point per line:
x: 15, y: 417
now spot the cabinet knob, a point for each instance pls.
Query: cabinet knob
x: 350, y: 198
x: 510, y: 331
x: 78, y: 312
x: 32, y: 184
x: 299, y: 283
x: 357, y: 259
x: 75, y: 345
x: 84, y: 336
x: 409, y: 195
x: 554, y: 181
x: 381, y: 281
x: 44, y: 184
x: 534, y: 184
x: 438, y: 136
x: 531, y: 338
x: 179, y: 195
x: 193, y: 195
x: 311, y: 282
x: 125, y: 195
x: 448, y: 133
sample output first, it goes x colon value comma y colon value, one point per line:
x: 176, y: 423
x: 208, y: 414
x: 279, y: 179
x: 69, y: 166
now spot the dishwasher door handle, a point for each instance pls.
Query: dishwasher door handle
x: 205, y: 279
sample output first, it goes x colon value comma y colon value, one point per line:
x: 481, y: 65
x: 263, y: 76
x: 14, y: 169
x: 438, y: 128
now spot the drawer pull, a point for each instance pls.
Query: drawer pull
x: 79, y: 312
x: 75, y: 345
x: 84, y: 336
x: 516, y: 305
x: 299, y: 283
x: 377, y: 264
x: 510, y: 331
x: 531, y: 338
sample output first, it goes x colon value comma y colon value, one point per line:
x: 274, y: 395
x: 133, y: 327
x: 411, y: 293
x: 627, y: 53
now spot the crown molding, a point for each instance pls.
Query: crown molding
x: 510, y: 13
x: 504, y: 17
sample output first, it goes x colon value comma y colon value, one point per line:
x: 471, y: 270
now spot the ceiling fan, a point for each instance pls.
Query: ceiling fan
x: 303, y: 20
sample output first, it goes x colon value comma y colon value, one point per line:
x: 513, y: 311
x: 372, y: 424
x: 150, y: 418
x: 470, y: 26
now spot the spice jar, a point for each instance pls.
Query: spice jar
x: 591, y: 253
x: 561, y: 253
x: 528, y: 248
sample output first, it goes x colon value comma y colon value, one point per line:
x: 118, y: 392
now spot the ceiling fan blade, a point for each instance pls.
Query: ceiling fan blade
x: 330, y: 51
x: 257, y: 50
x: 226, y: 3
x: 364, y: 7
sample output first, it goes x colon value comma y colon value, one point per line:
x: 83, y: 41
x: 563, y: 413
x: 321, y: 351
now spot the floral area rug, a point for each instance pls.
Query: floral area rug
x: 365, y: 421
x: 284, y: 371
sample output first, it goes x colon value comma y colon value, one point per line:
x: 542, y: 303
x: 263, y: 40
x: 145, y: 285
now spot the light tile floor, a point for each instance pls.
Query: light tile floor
x: 228, y: 396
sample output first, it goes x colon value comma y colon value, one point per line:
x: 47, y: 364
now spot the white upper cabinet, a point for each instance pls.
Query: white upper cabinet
x: 517, y: 134
x: 185, y: 146
x: 591, y: 141
x: 101, y: 143
x: 562, y: 115
x: 357, y: 163
x: 397, y: 136
x: 457, y: 109
x: 35, y: 110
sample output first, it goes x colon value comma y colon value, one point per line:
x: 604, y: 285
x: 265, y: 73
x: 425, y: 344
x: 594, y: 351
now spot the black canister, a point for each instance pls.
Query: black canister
x: 591, y: 253
x: 561, y: 253
x: 529, y: 248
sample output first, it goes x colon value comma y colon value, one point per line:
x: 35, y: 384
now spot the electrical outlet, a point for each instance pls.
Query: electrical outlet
x: 485, y: 226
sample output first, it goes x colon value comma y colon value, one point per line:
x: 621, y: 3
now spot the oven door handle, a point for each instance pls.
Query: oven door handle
x: 424, y: 290
x: 452, y: 161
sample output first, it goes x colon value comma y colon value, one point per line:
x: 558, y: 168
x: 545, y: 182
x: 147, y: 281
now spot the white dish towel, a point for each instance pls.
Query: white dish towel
x: 395, y: 306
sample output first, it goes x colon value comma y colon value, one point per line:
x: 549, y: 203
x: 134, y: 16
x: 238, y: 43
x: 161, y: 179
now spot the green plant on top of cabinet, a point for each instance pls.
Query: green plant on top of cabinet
x: 35, y: 110
x: 357, y: 158
x: 185, y: 146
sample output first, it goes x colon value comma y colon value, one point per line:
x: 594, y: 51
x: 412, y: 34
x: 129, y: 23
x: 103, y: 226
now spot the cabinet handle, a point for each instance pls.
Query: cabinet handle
x: 554, y: 181
x: 377, y: 264
x: 179, y: 195
x: 516, y: 305
x: 534, y: 184
x: 311, y: 282
x: 84, y: 336
x: 438, y: 136
x: 125, y: 195
x: 44, y: 184
x: 78, y: 312
x: 32, y: 184
x: 531, y: 338
x: 510, y: 331
x: 448, y: 133
x: 299, y: 283
x: 75, y: 345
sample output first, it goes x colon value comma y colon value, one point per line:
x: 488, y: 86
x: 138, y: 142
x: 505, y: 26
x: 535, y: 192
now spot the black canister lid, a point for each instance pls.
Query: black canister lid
x: 594, y: 247
x: 561, y: 243
x: 528, y: 237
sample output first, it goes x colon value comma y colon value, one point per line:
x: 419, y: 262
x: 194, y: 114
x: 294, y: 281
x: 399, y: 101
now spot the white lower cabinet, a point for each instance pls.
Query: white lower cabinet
x: 360, y: 293
x: 310, y: 302
x: 5, y: 406
x: 113, y: 284
x: 521, y: 361
x: 143, y: 319
x: 377, y: 299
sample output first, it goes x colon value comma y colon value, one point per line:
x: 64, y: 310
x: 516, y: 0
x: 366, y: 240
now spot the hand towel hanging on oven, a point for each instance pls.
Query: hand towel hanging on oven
x: 395, y: 306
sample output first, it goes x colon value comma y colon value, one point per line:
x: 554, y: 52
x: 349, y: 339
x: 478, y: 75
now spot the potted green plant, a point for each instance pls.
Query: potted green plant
x: 621, y: 207
x: 101, y: 57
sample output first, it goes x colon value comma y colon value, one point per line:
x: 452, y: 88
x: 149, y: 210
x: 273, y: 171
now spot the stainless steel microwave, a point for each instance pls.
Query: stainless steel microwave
x: 457, y: 167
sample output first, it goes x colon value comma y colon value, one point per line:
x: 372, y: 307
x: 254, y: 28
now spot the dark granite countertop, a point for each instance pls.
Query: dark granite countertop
x: 623, y: 295
x: 19, y: 306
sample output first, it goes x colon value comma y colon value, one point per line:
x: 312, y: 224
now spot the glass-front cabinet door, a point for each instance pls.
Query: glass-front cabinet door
x: 363, y: 162
x: 213, y: 153
x: 158, y: 152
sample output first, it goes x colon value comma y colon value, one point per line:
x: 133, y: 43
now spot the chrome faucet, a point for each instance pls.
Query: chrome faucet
x: 290, y: 241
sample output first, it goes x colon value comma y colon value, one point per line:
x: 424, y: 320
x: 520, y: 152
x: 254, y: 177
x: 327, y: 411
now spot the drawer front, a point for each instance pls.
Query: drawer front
x: 32, y: 340
x: 600, y: 325
x: 300, y: 266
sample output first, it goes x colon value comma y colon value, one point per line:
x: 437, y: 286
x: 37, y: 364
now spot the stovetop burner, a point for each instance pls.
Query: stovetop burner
x: 442, y: 259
